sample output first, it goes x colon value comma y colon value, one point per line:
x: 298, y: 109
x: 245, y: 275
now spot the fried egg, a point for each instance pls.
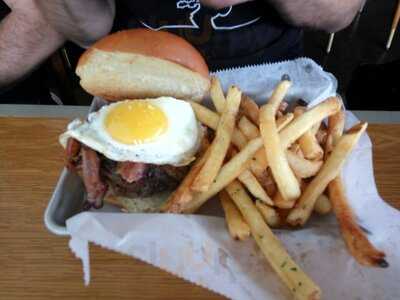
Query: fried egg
x: 155, y: 131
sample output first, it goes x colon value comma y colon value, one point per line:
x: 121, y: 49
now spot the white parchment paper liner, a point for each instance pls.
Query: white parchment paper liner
x: 199, y: 249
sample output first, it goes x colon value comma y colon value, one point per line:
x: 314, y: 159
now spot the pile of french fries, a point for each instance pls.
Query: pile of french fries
x: 274, y: 168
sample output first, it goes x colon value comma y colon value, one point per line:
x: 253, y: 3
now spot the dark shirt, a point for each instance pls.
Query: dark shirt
x: 245, y: 34
x: 4, y: 10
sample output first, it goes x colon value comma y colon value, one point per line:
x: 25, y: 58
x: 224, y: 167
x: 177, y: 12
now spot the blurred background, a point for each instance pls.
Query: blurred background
x: 365, y: 70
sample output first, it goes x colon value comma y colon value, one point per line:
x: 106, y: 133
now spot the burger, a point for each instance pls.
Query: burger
x: 136, y: 150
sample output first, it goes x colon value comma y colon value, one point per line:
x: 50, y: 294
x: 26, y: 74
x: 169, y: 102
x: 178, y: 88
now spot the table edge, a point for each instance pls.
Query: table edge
x: 62, y: 111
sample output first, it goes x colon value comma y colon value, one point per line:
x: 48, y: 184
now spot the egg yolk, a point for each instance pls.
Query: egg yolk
x: 135, y: 122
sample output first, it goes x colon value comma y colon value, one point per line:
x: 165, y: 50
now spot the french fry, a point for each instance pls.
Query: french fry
x: 252, y: 184
x: 250, y: 130
x: 314, y: 130
x: 289, y: 133
x: 231, y: 170
x: 250, y: 109
x: 300, y: 214
x: 211, y: 119
x: 284, y: 120
x: 220, y: 144
x: 355, y: 239
x: 217, y: 95
x: 322, y: 205
x: 257, y: 164
x: 283, y: 107
x: 300, y: 125
x: 308, y: 142
x: 283, y: 175
x: 254, y: 187
x: 260, y: 163
x: 335, y: 129
x: 303, y: 184
x: 271, y: 217
x: 302, y: 167
x: 205, y: 115
x: 281, y: 202
x: 183, y: 194
x: 301, y: 286
x: 240, y: 141
x: 268, y: 183
x: 321, y: 135
x: 295, y: 148
x: 237, y: 226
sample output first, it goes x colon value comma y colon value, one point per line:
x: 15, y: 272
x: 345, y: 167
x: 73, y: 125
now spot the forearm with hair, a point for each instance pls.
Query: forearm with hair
x: 26, y: 39
x: 329, y: 15
x: 81, y: 21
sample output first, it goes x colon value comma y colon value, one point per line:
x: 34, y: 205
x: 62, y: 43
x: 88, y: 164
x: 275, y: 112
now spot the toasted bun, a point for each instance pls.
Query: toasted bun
x: 142, y: 63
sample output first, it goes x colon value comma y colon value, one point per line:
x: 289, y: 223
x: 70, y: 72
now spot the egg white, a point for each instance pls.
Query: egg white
x: 177, y: 146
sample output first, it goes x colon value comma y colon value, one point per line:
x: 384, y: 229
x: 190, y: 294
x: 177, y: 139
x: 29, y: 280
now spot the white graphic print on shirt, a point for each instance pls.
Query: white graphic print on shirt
x: 220, y: 21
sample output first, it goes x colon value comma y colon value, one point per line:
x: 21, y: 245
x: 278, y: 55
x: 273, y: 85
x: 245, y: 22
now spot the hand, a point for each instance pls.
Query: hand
x: 222, y: 3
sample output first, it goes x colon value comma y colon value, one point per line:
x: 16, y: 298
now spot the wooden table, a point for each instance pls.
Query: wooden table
x: 38, y: 265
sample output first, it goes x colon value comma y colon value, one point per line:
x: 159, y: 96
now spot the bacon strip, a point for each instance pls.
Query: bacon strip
x: 95, y: 187
x: 72, y: 154
x: 131, y: 171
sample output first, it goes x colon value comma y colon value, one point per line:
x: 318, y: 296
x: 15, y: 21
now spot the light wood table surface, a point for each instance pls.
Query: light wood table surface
x: 35, y: 264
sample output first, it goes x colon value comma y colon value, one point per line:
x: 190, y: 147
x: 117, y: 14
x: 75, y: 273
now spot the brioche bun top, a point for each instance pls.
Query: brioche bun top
x: 160, y: 44
x: 141, y: 63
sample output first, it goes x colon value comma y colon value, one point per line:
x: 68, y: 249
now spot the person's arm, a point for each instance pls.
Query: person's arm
x: 328, y: 15
x: 26, y: 39
x: 81, y: 21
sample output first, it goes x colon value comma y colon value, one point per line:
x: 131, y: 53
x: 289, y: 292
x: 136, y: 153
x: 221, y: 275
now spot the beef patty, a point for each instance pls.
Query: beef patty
x: 155, y: 179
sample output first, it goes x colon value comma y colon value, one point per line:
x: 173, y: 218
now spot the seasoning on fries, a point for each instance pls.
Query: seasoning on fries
x: 301, y: 286
x: 276, y: 172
